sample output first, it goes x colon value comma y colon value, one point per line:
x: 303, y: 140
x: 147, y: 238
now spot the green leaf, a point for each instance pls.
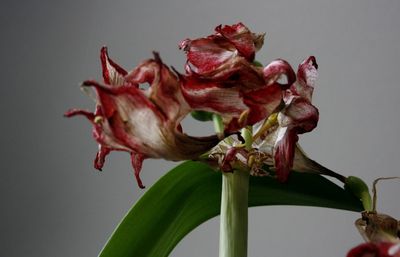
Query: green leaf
x: 190, y: 194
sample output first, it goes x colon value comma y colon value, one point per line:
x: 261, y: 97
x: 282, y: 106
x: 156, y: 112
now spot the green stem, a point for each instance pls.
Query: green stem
x: 234, y: 210
x: 218, y: 125
x: 234, y: 214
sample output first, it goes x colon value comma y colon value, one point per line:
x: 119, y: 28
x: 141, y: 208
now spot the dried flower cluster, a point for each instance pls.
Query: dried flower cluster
x: 221, y: 77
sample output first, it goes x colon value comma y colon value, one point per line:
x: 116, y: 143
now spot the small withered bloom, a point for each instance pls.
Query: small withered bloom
x: 371, y: 249
x: 142, y: 121
x: 297, y: 117
x: 275, y: 139
x: 222, y: 77
x: 215, y: 55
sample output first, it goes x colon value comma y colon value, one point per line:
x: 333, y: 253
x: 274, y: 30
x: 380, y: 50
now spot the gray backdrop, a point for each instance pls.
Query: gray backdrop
x: 53, y: 203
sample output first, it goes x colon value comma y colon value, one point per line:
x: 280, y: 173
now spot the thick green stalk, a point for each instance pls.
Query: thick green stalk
x: 234, y: 214
x: 234, y: 210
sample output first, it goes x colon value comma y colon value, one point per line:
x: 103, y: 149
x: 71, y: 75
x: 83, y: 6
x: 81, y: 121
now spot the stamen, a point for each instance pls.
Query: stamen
x: 268, y: 123
x: 98, y: 119
x: 243, y: 117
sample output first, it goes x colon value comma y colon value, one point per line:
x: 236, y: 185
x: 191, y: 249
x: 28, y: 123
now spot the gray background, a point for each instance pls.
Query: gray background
x: 53, y: 203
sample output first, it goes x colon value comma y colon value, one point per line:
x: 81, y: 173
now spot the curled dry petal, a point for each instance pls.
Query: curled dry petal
x: 113, y: 74
x: 143, y: 122
x: 215, y: 53
x: 276, y: 69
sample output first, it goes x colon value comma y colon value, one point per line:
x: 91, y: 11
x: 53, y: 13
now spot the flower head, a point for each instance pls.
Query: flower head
x: 143, y: 122
x: 275, y: 138
x: 221, y: 77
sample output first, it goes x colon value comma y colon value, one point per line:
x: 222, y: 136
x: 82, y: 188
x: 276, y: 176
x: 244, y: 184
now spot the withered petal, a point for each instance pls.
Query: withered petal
x: 113, y: 74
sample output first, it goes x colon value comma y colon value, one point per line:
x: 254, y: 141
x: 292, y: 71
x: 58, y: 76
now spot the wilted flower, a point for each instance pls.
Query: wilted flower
x: 275, y: 139
x: 143, y: 122
x: 221, y: 77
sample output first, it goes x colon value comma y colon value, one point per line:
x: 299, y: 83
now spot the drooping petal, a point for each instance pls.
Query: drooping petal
x: 73, y: 112
x: 101, y: 157
x: 141, y: 121
x: 299, y: 114
x: 144, y: 122
x: 137, y: 161
x: 298, y: 117
x: 101, y: 132
x: 284, y: 152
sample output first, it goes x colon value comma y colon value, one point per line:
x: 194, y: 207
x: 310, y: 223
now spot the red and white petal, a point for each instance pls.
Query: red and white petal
x: 102, y: 134
x: 123, y: 107
x: 101, y: 157
x: 140, y: 126
x: 241, y: 37
x: 184, y: 147
x: 298, y: 117
x: 274, y: 71
x: 229, y: 156
x: 262, y: 102
x: 74, y: 112
x: 284, y: 150
x: 212, y: 97
x: 307, y: 71
x: 207, y: 54
x: 164, y: 90
x: 306, y: 76
x: 137, y: 161
x: 113, y: 74
x: 299, y: 114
